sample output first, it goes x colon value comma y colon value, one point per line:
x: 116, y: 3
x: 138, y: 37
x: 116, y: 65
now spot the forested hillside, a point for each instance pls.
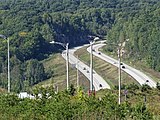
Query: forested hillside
x: 31, y: 24
x: 139, y: 22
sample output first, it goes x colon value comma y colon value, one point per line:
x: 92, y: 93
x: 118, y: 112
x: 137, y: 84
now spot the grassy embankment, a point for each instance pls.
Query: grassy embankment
x: 57, y: 67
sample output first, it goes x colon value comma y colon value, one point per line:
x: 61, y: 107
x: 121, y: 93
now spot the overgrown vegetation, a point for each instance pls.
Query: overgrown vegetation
x: 75, y: 105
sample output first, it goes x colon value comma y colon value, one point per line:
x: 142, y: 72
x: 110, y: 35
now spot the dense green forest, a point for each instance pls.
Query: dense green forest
x: 32, y: 24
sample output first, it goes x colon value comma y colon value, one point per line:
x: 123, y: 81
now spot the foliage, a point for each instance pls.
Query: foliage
x: 145, y: 88
x: 132, y: 87
x: 51, y: 105
x: 140, y: 112
x: 139, y: 23
x: 71, y: 90
x: 158, y: 85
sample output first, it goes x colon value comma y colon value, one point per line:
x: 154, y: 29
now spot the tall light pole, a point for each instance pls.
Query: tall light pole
x: 91, y: 67
x: 67, y: 58
x: 120, y: 53
x: 91, y: 64
x: 4, y: 37
x: 77, y: 73
x: 119, y: 76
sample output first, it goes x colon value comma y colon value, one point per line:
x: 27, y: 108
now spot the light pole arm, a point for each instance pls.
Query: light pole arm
x: 2, y: 36
x: 59, y: 43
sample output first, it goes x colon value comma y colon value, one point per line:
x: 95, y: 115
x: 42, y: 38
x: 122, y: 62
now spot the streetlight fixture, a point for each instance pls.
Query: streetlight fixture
x: 6, y: 38
x: 67, y: 59
x: 91, y: 64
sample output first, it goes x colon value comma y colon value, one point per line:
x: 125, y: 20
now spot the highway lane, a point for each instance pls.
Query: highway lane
x: 84, y: 69
x: 140, y: 77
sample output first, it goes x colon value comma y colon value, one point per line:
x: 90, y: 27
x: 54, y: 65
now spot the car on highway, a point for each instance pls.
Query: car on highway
x: 123, y: 67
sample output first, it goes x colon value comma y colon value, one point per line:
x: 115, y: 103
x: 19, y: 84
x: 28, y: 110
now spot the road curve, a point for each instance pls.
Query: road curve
x: 97, y: 79
x: 140, y: 77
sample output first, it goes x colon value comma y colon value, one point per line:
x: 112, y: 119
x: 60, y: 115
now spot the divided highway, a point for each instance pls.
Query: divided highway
x: 98, y: 81
x: 140, y: 77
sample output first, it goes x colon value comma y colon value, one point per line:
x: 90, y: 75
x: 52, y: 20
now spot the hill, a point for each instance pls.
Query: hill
x: 32, y: 24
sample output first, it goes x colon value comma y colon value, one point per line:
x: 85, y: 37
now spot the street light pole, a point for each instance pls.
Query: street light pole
x: 9, y: 84
x: 67, y: 59
x: 120, y: 53
x: 77, y: 73
x: 67, y: 65
x: 119, y: 78
x: 91, y: 65
x: 4, y: 37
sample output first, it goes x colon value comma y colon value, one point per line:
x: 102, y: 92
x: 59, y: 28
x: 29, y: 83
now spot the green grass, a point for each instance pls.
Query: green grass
x: 57, y: 66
